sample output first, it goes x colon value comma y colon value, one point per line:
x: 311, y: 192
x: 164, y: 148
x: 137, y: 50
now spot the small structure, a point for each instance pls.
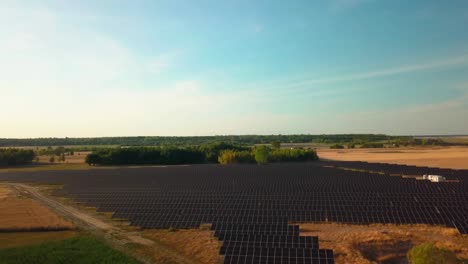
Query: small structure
x: 434, y: 178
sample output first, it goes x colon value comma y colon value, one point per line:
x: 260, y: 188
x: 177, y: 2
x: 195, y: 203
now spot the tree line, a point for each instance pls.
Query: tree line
x: 167, y: 155
x: 224, y: 153
x: 12, y: 156
x: 264, y: 154
x: 199, y: 140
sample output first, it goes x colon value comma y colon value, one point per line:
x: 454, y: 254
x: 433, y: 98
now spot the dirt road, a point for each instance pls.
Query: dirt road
x: 111, y: 233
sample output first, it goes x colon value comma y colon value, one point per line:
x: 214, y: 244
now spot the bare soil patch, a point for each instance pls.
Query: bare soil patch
x: 379, y: 243
x: 19, y: 213
x: 197, y: 244
x: 442, y: 157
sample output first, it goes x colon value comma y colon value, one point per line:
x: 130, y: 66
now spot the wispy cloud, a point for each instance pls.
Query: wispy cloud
x: 402, y: 69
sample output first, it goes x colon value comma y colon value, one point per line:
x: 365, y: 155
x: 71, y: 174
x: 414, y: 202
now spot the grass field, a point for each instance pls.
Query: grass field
x: 83, y: 249
x: 442, y: 157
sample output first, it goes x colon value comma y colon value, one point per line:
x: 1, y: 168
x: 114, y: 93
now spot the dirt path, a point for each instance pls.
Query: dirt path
x: 113, y: 234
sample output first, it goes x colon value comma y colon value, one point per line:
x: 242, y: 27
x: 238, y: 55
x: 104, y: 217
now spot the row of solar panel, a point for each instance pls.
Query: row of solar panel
x: 281, y: 252
x: 275, y: 260
x: 262, y: 244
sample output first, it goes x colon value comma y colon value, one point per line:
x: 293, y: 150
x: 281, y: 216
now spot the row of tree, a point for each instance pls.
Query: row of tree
x: 223, y: 153
x: 170, y: 155
x: 12, y: 156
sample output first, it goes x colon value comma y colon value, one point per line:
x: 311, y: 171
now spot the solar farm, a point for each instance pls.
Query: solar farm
x: 254, y: 210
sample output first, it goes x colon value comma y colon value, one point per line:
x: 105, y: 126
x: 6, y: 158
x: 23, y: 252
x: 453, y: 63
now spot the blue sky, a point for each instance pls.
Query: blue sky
x: 122, y: 68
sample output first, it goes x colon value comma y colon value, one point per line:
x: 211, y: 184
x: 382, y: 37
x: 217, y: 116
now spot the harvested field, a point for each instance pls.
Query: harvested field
x: 378, y: 243
x: 18, y: 239
x: 19, y: 213
x: 197, y: 244
x: 442, y: 157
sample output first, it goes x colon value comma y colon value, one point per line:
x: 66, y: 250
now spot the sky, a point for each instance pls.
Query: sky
x: 191, y: 68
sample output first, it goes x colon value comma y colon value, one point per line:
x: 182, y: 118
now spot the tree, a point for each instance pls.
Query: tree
x: 276, y: 145
x: 59, y: 150
x: 52, y: 159
x: 261, y: 154
x: 93, y: 159
x: 337, y: 146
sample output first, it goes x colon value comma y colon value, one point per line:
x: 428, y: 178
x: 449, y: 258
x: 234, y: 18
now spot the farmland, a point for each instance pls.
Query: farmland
x: 19, y: 213
x: 455, y: 157
x: 257, y: 206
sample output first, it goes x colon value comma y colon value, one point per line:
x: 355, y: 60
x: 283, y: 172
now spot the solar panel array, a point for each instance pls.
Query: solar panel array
x: 251, y: 206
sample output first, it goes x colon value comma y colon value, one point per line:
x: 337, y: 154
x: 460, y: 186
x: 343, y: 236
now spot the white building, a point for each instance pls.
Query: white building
x: 434, y: 178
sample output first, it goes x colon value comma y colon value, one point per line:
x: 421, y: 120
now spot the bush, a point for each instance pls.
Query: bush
x: 428, y: 254
x: 261, y: 154
x: 292, y: 155
x: 372, y: 145
x: 232, y: 156
x: 337, y: 146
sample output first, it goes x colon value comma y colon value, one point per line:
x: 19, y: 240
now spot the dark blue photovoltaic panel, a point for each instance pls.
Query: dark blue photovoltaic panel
x: 251, y: 207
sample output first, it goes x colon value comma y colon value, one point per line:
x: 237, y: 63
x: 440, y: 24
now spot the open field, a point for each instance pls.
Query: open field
x: 378, y: 243
x: 442, y: 157
x: 19, y: 213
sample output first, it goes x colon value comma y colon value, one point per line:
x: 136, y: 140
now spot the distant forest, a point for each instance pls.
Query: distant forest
x: 194, y: 141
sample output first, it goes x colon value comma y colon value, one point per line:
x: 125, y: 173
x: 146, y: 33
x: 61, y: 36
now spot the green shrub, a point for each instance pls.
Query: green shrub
x: 232, y: 157
x: 372, y: 145
x: 337, y: 146
x: 292, y: 155
x: 261, y: 154
x: 429, y: 254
